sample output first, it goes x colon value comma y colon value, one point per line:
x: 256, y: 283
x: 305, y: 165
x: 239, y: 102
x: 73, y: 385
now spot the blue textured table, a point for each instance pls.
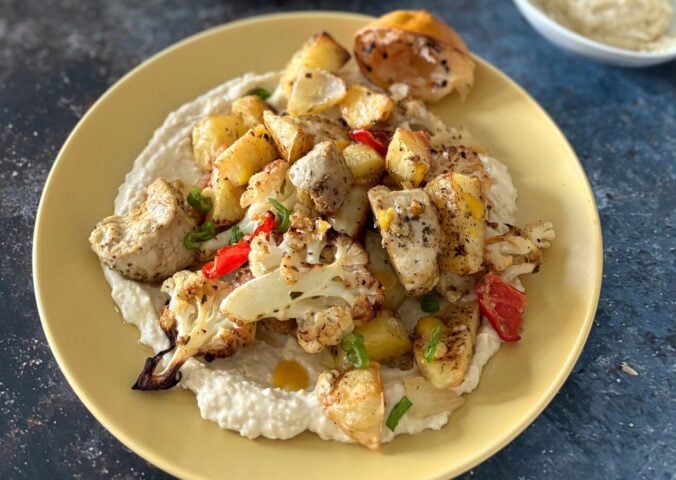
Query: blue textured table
x: 57, y: 57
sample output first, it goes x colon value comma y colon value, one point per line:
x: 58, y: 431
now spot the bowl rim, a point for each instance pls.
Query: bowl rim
x: 164, y: 463
x: 624, y: 53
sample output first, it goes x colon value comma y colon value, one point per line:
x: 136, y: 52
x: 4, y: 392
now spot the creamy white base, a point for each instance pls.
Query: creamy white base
x: 235, y: 392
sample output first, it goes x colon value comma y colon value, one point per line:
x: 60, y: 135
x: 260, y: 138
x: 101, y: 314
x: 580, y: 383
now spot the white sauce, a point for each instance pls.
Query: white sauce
x: 235, y: 392
x: 629, y: 24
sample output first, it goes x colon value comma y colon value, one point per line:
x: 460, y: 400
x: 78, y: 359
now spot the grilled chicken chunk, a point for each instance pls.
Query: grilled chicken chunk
x: 324, y: 176
x: 147, y: 244
x: 408, y: 224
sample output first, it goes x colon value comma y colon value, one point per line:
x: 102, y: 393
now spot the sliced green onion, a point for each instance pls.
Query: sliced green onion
x: 429, y: 303
x: 283, y: 214
x: 431, y: 349
x: 236, y: 234
x: 358, y: 356
x: 397, y: 412
x: 198, y: 201
x: 193, y: 240
x: 261, y: 92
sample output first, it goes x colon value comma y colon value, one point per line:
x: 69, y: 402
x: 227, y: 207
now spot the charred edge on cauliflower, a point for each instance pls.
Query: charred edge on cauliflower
x: 193, y: 318
x: 148, y: 381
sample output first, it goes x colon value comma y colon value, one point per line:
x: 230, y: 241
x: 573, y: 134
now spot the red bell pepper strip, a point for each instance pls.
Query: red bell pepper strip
x: 227, y: 259
x: 379, y: 140
x: 266, y: 226
x: 231, y: 257
x: 503, y: 305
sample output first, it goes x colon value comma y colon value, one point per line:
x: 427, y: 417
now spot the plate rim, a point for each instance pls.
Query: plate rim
x: 159, y: 460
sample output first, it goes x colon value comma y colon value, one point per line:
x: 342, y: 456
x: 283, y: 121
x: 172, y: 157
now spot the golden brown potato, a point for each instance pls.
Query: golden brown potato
x: 363, y: 108
x: 250, y: 109
x: 414, y: 48
x: 364, y: 162
x: 248, y: 155
x: 461, y: 213
x: 385, y: 337
x: 291, y: 139
x: 320, y: 51
x: 354, y: 401
x: 225, y: 197
x: 408, y: 157
x: 458, y: 325
x: 212, y: 133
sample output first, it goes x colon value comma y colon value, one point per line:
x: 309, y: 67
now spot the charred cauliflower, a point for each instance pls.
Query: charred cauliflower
x: 325, y: 299
x: 193, y: 321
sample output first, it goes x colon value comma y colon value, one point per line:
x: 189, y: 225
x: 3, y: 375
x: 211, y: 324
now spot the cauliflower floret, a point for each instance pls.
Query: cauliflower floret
x: 520, y: 250
x: 265, y: 255
x: 193, y: 321
x: 325, y: 296
x: 323, y: 325
x: 302, y: 244
x: 540, y: 233
x: 271, y: 182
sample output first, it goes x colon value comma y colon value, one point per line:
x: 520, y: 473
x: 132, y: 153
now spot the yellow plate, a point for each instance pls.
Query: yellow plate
x: 101, y: 357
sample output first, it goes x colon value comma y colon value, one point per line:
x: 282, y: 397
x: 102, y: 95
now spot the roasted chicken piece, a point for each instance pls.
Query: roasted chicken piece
x: 147, y: 244
x: 411, y: 235
x: 323, y: 176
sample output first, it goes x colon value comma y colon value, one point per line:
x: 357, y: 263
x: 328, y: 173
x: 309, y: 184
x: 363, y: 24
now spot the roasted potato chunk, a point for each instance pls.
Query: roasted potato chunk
x: 355, y: 402
x: 461, y: 213
x: 212, y: 133
x: 408, y: 157
x: 363, y: 108
x: 225, y: 197
x: 379, y: 264
x: 291, y: 139
x: 364, y: 162
x: 250, y: 109
x: 385, y: 337
x: 248, y: 155
x: 320, y: 51
x: 458, y: 325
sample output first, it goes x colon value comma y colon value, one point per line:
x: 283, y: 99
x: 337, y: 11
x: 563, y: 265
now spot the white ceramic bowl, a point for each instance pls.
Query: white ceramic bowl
x: 576, y: 43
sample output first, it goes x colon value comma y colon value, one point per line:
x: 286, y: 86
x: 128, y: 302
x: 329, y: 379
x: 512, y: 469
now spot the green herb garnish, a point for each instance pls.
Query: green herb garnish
x: 431, y: 349
x: 236, y: 234
x: 261, y: 92
x: 358, y: 356
x: 283, y: 214
x: 429, y: 303
x: 198, y: 201
x: 193, y: 240
x: 397, y: 412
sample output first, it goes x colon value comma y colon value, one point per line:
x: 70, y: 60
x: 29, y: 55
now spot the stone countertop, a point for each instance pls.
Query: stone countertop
x: 57, y: 57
